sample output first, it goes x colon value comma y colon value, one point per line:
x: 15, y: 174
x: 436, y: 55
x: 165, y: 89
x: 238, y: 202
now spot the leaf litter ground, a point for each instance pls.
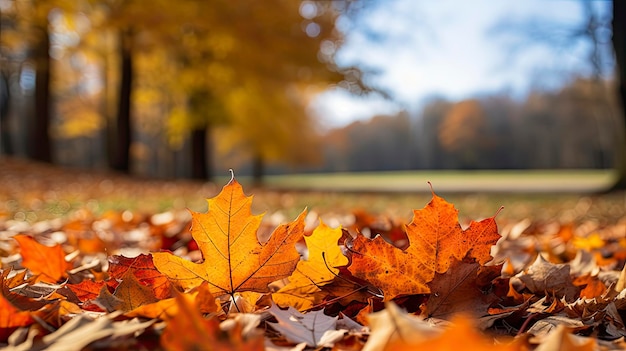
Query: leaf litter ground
x: 223, y: 278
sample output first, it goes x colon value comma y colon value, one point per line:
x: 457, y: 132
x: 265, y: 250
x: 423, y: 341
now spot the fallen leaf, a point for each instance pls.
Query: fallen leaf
x: 188, y: 330
x: 436, y: 241
x: 144, y: 270
x: 133, y: 294
x: 460, y: 335
x: 461, y: 290
x: 234, y: 260
x: 561, y: 339
x: 394, y: 271
x: 479, y: 237
x: 392, y: 324
x: 87, y: 289
x: 167, y: 308
x: 545, y: 277
x: 47, y: 262
x: 436, y: 237
x: 324, y: 255
x: 590, y: 285
x: 59, y: 312
x: 11, y: 317
x: 81, y: 331
x: 313, y: 328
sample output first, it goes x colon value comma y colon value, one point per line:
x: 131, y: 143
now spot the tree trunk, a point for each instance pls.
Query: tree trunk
x: 258, y: 170
x: 200, y: 158
x: 40, y: 145
x: 5, y: 99
x: 120, y: 149
x: 619, y: 46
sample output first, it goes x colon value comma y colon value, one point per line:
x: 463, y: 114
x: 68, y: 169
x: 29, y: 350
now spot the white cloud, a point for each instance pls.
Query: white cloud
x: 442, y: 47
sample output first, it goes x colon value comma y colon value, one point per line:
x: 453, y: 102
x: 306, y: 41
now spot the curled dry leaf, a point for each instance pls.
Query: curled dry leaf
x: 393, y: 324
x: 545, y: 277
x: 460, y: 335
x: 188, y: 330
x: 313, y: 328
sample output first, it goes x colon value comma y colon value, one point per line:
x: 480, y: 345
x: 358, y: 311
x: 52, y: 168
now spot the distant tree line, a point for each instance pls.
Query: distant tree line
x: 574, y: 127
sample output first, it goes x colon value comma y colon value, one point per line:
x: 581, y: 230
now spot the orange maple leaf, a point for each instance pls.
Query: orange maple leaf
x: 436, y: 241
x: 320, y: 268
x: 234, y: 260
x: 47, y: 262
x: 11, y: 317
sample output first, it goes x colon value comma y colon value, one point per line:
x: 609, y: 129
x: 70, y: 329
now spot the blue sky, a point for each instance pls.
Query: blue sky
x: 449, y: 48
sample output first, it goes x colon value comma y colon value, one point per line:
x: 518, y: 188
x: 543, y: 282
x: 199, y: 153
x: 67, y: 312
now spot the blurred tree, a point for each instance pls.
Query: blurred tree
x: 257, y: 76
x: 30, y: 25
x: 28, y: 39
x: 619, y: 47
x: 592, y: 32
x: 463, y: 133
x: 431, y: 154
x: 254, y: 77
x: 6, y: 146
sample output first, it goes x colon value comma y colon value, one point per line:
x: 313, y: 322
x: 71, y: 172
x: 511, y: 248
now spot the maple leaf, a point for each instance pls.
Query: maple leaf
x: 130, y: 294
x: 47, y: 262
x: 144, y: 270
x: 436, y: 241
x: 167, y: 308
x: 314, y: 328
x: 87, y: 289
x: 233, y: 258
x: 394, y: 271
x: 324, y: 255
x: 436, y: 236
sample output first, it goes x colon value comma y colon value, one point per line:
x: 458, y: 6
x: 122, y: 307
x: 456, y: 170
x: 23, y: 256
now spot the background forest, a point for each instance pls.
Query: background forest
x: 187, y: 89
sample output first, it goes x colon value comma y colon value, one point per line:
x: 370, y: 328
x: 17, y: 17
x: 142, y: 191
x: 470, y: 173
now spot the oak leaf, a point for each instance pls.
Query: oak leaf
x: 319, y: 269
x: 233, y: 258
x: 47, y: 262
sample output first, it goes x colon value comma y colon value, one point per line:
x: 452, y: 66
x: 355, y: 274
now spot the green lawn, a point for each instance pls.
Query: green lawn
x: 33, y: 192
x: 448, y: 181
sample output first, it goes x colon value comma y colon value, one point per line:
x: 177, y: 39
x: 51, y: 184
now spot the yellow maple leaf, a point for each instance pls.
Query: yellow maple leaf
x: 318, y: 270
x: 233, y: 258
